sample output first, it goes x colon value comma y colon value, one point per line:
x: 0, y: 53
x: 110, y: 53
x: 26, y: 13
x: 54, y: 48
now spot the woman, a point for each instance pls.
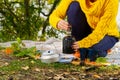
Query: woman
x: 93, y: 25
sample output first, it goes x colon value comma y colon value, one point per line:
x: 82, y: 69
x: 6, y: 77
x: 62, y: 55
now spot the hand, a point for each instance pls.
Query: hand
x: 75, y: 46
x: 63, y: 25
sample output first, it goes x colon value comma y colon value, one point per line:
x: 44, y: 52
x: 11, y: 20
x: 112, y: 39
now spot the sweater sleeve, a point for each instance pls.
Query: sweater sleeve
x: 107, y: 20
x: 59, y: 13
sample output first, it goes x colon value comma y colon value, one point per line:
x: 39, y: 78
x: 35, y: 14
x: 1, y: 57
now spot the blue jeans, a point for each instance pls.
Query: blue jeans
x: 81, y: 29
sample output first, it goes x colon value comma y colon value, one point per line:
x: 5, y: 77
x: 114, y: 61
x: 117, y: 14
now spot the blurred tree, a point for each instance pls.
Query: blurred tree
x: 25, y: 18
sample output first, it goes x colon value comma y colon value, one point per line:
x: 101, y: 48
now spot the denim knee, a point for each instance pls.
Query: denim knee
x: 92, y: 54
x: 102, y: 53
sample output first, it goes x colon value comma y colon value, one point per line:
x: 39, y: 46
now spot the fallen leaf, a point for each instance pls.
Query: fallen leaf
x: 37, y: 56
x: 37, y: 69
x: 25, y: 68
x: 8, y: 50
x: 32, y: 62
x: 24, y: 58
x: 96, y: 76
x: 6, y: 63
x: 75, y: 62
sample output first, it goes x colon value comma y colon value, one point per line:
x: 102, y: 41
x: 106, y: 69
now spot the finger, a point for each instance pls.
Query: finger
x: 75, y: 50
x: 75, y: 47
x: 63, y: 25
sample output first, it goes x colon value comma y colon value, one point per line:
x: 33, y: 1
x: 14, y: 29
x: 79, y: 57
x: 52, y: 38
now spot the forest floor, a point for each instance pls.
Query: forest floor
x: 14, y: 68
x: 25, y: 68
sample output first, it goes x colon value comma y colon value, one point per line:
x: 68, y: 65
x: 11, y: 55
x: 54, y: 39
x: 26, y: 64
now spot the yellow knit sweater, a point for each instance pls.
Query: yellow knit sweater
x: 101, y: 16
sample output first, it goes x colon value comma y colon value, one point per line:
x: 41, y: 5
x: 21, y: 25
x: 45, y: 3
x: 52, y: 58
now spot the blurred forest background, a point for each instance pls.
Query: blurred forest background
x: 27, y: 19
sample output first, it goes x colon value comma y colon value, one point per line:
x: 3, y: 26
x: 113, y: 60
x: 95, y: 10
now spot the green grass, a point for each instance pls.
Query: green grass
x: 108, y: 68
x: 1, y: 48
x: 14, y: 69
x: 16, y: 65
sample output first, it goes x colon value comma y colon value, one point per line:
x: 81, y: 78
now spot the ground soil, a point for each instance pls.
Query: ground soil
x: 75, y: 73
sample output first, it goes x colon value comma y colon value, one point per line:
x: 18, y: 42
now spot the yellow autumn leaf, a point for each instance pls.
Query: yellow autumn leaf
x: 25, y: 68
x: 96, y: 76
x: 37, y: 69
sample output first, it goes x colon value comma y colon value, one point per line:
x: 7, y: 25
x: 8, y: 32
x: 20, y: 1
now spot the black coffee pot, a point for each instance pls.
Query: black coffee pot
x: 68, y: 42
